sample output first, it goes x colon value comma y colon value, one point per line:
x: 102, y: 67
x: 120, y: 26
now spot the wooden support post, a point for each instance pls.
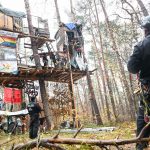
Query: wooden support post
x: 73, y: 104
x: 71, y: 90
x: 38, y: 65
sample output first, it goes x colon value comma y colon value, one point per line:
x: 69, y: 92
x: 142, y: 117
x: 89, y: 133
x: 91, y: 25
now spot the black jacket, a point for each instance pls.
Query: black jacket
x: 33, y: 108
x: 140, y: 59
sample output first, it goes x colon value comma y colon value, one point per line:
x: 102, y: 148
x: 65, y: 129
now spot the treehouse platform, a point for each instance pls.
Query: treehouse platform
x: 46, y: 73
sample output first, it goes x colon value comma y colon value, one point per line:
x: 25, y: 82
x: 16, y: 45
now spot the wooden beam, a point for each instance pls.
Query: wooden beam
x: 23, y: 35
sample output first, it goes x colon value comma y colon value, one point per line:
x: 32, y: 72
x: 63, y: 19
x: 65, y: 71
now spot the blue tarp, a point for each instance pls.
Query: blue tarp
x: 70, y: 26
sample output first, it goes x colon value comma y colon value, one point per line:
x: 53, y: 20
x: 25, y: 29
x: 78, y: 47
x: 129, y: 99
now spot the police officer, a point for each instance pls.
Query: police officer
x: 139, y: 62
x: 34, y: 109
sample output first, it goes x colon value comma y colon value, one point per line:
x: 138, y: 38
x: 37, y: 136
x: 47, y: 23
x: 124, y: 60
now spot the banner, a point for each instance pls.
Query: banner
x: 8, y: 39
x: 7, y: 66
x: 8, y: 59
x: 16, y: 113
x: 8, y: 95
x: 12, y: 95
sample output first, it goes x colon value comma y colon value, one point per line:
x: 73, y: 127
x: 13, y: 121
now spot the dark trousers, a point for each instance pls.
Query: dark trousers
x: 140, y: 124
x: 34, y: 126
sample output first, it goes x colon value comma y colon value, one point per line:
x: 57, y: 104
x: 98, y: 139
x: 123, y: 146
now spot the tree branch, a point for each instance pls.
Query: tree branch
x: 143, y: 130
x: 101, y: 143
x: 77, y: 132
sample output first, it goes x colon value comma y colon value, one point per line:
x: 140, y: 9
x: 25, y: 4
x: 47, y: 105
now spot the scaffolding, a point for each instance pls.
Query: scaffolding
x: 57, y: 66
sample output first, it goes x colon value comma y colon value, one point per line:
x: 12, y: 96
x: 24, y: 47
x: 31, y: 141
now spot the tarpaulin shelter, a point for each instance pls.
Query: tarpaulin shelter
x: 11, y: 20
x: 69, y: 36
x: 12, y: 13
x: 68, y: 32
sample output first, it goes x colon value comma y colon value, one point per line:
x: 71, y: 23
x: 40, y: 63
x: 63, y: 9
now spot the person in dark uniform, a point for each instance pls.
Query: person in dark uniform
x: 34, y: 109
x: 45, y: 60
x: 139, y: 62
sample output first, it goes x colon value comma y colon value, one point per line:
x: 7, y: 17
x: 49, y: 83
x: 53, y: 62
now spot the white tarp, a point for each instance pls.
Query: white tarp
x: 80, y: 63
x: 96, y: 130
x: 8, y: 66
x: 8, y: 34
x: 16, y: 113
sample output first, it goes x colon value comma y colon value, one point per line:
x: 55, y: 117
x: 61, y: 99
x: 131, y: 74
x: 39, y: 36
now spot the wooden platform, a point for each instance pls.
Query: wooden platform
x: 46, y: 73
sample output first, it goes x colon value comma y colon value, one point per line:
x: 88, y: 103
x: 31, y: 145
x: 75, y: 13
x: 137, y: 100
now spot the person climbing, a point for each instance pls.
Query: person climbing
x: 78, y: 48
x: 139, y: 62
x: 34, y: 109
x: 45, y: 60
x: 53, y: 58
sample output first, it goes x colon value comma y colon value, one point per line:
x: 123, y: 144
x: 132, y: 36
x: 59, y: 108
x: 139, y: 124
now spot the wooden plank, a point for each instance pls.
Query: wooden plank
x: 49, y: 74
x: 53, y: 79
x: 63, y: 77
x: 35, y: 72
x: 23, y: 35
x: 6, y: 22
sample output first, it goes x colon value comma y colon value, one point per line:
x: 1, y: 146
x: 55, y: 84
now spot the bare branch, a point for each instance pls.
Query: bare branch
x: 56, y: 136
x: 121, y: 16
x: 7, y: 141
x: 143, y: 130
x: 77, y: 132
x: 100, y: 143
x: 49, y: 145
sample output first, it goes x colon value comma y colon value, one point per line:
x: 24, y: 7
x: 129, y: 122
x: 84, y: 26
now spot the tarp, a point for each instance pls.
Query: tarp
x: 16, y: 113
x: 9, y: 67
x: 12, y: 13
x: 70, y: 26
x: 12, y: 95
x: 8, y: 59
x: 8, y: 39
x: 80, y: 63
x: 103, y: 129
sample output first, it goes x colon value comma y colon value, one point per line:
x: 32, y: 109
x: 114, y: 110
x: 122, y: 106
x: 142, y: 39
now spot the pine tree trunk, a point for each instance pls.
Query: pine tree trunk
x: 72, y: 12
x: 117, y: 91
x: 127, y: 109
x: 93, y: 99
x: 92, y: 95
x: 38, y: 65
x: 57, y: 12
x: 86, y: 99
x: 111, y: 97
x: 45, y: 103
x: 105, y: 99
x: 104, y: 66
x: 73, y: 103
x: 102, y: 106
x: 90, y: 85
x: 132, y: 110
x: 83, y: 110
x: 132, y: 91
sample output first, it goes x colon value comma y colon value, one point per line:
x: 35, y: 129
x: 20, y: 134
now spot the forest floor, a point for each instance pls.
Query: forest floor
x: 124, y: 130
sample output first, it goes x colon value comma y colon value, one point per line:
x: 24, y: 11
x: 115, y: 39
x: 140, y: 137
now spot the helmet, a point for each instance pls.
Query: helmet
x: 145, y: 23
